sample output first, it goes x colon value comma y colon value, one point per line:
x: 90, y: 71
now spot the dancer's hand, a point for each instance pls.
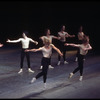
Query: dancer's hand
x: 73, y: 35
x: 27, y: 50
x: 1, y: 45
x: 36, y: 43
x: 61, y: 54
x: 8, y: 40
x: 66, y: 44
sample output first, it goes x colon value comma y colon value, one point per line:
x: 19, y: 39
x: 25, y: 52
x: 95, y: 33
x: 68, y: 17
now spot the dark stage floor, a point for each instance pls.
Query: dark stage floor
x: 14, y: 85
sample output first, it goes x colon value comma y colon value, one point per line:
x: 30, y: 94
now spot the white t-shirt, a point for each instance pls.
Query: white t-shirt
x: 25, y: 42
x: 82, y: 52
x: 46, y: 52
x: 63, y: 36
x: 50, y: 37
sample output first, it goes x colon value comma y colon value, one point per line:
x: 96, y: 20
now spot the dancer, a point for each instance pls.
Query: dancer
x: 63, y: 35
x: 46, y: 51
x: 25, y: 45
x: 84, y: 47
x: 50, y: 37
x: 80, y: 38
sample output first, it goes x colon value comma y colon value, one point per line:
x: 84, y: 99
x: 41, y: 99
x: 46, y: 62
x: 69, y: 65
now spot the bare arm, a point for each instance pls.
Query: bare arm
x: 68, y: 35
x: 57, y: 50
x: 34, y: 41
x: 13, y: 41
x: 71, y: 44
x: 88, y: 48
x: 55, y: 37
x: 33, y: 50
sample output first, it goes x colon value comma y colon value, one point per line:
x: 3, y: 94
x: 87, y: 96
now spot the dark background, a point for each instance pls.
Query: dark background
x: 36, y: 16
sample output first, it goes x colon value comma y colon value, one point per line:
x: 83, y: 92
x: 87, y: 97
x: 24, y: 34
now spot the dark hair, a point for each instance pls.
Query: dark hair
x: 81, y: 28
x: 62, y: 26
x: 46, y: 30
x: 85, y: 39
x: 26, y: 32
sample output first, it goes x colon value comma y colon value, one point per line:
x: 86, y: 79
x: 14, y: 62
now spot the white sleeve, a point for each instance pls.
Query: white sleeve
x: 15, y: 41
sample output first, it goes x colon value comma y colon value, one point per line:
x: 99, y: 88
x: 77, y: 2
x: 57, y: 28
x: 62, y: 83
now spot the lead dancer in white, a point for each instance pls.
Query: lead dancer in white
x: 25, y: 45
x: 47, y: 51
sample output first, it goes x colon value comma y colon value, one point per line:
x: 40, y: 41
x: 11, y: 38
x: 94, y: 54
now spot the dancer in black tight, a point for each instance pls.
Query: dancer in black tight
x: 63, y: 35
x: 47, y: 51
x: 25, y: 45
x: 80, y: 38
x: 50, y: 37
x: 84, y: 47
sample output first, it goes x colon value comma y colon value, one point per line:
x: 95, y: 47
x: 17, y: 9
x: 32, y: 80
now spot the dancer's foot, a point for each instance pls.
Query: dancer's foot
x: 70, y: 75
x: 44, y: 86
x: 30, y: 70
x: 33, y: 80
x: 41, y: 67
x: 76, y: 59
x: 65, y: 62
x: 58, y: 63
x: 20, y: 71
x: 51, y: 67
x: 81, y: 78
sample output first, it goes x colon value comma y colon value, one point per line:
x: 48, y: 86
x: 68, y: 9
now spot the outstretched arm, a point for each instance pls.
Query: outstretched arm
x: 55, y: 37
x: 68, y: 35
x: 13, y: 41
x: 34, y: 41
x: 33, y: 50
x: 57, y: 50
x: 71, y: 44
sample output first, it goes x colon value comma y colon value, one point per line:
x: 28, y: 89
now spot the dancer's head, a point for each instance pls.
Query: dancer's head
x: 63, y: 28
x: 46, y: 41
x: 25, y: 34
x: 81, y: 28
x: 86, y: 39
x: 47, y: 32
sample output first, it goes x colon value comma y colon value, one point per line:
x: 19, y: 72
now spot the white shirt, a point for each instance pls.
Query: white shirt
x: 63, y: 36
x: 48, y: 37
x: 25, y: 42
x: 46, y: 52
x: 82, y: 52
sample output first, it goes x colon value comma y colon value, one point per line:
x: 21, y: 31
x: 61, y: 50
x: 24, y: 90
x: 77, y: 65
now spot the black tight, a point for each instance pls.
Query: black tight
x: 80, y: 65
x: 23, y: 54
x: 45, y: 63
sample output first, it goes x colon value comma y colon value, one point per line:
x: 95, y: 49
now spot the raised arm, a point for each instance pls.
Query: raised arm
x: 57, y: 50
x: 13, y: 41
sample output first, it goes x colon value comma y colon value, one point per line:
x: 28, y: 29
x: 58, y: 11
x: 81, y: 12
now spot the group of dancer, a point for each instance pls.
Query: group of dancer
x: 46, y: 49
